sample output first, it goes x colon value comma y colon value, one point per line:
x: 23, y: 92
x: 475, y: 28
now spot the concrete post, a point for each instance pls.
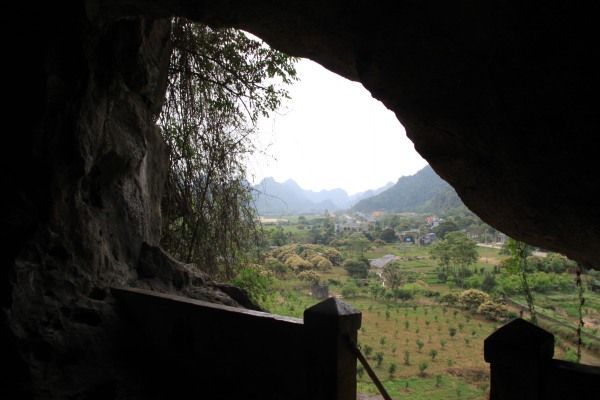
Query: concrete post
x: 331, y: 364
x: 518, y: 353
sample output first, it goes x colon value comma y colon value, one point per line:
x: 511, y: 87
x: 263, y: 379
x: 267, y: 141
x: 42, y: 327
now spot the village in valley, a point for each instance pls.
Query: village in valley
x: 431, y: 288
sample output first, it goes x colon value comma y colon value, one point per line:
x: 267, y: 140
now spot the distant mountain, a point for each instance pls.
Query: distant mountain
x: 355, y: 198
x: 424, y: 191
x: 274, y: 198
x: 445, y: 202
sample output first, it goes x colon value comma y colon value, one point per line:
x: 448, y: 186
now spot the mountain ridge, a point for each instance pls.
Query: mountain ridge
x: 424, y: 191
x: 288, y: 197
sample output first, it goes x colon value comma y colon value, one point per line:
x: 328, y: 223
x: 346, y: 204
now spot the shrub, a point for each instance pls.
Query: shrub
x: 492, y: 311
x: 297, y: 263
x: 406, y: 357
x: 402, y: 294
x: 350, y: 290
x: 472, y: 298
x: 392, y: 369
x: 489, y: 282
x: 450, y: 299
x: 276, y: 266
x: 321, y: 263
x: 357, y: 268
x: 433, y: 353
x: 255, y: 283
x: 309, y: 276
x: 473, y: 282
x: 334, y: 256
x: 422, y: 367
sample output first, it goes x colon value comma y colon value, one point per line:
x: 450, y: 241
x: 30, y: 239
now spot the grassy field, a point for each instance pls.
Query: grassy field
x: 411, y: 337
x: 419, y: 348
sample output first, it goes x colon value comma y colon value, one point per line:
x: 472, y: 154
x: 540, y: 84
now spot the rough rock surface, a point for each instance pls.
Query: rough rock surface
x: 160, y: 272
x: 495, y: 95
x: 85, y: 215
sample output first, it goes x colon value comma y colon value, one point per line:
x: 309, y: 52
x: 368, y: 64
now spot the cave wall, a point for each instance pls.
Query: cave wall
x: 495, y: 95
x: 86, y: 180
x: 82, y: 180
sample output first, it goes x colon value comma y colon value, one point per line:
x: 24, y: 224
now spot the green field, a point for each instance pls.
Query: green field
x: 399, y: 337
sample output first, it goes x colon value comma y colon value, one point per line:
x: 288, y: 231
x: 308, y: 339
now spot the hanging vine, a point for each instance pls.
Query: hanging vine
x: 519, y: 252
x: 219, y: 83
x: 581, y: 299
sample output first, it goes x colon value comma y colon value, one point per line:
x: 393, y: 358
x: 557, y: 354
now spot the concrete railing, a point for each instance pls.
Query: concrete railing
x: 522, y: 368
x: 185, y: 346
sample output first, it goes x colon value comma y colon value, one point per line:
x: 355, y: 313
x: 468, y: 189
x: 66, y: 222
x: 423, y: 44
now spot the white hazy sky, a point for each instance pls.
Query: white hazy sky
x: 333, y: 134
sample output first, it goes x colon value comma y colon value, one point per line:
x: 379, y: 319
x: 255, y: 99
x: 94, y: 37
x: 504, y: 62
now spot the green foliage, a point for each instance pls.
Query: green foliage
x: 302, y: 257
x: 463, y: 251
x: 278, y: 237
x: 321, y: 263
x: 392, y: 369
x: 492, y: 311
x: 489, y: 282
x: 454, y: 254
x: 388, y: 235
x: 218, y: 85
x: 441, y: 251
x: 356, y: 243
x: 517, y: 264
x: 350, y: 290
x: 393, y: 275
x: 357, y: 268
x: 541, y: 282
x: 410, y: 193
x: 444, y: 228
x: 422, y: 367
x: 403, y: 294
x: 297, y: 263
x: 255, y: 282
x: 309, y: 276
x: 449, y: 298
x: 382, y: 340
x: 276, y: 266
x: 472, y: 298
x: 433, y: 353
x: 420, y: 345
